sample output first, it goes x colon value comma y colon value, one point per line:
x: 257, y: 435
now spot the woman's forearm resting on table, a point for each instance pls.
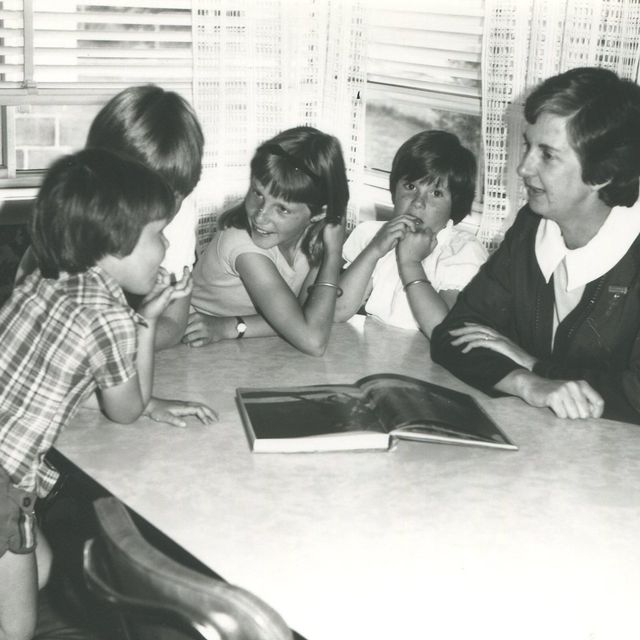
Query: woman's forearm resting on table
x: 566, y: 398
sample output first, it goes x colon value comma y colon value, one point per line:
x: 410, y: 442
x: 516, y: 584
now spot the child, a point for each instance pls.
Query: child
x: 67, y: 330
x: 273, y: 266
x: 432, y: 185
x: 160, y: 129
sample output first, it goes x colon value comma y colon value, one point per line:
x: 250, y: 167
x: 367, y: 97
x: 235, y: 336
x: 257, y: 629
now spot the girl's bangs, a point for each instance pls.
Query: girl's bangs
x: 435, y: 178
x: 427, y: 166
x: 284, y: 181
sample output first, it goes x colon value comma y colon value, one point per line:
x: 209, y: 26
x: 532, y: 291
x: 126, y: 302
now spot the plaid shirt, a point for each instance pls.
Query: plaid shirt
x: 61, y: 339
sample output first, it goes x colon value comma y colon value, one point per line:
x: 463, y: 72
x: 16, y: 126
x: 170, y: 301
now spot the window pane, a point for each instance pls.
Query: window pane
x: 391, y: 120
x: 68, y: 54
x: 87, y: 43
x: 111, y: 42
x: 44, y: 132
x: 426, y: 44
x: 423, y: 72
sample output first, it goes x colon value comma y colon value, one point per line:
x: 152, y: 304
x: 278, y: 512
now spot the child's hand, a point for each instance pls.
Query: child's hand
x: 164, y: 292
x: 203, y: 329
x: 392, y: 232
x: 182, y: 287
x: 333, y: 234
x: 172, y: 411
x: 415, y: 246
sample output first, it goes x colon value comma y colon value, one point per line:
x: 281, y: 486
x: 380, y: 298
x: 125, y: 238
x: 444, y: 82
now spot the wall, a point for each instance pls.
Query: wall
x: 44, y: 132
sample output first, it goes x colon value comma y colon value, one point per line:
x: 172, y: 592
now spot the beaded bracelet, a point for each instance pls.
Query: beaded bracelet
x: 406, y: 286
x: 326, y: 284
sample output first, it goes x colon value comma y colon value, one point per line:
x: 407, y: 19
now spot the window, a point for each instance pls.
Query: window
x: 423, y: 73
x: 60, y: 61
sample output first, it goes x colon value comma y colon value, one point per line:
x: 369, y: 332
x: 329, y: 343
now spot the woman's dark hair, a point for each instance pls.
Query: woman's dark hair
x: 91, y: 204
x: 603, y: 126
x: 156, y: 127
x: 437, y: 156
x: 302, y: 165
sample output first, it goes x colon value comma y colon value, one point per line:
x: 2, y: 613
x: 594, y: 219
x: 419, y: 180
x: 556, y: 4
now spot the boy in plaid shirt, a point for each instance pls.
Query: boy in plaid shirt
x: 67, y: 331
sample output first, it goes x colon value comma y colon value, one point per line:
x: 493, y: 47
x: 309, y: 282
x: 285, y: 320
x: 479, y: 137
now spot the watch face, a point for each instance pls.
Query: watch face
x: 241, y: 327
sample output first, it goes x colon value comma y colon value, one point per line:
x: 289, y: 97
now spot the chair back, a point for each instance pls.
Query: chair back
x: 143, y: 583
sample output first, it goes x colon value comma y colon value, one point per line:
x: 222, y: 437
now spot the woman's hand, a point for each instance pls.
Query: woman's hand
x: 393, y: 232
x: 164, y: 292
x: 416, y: 245
x: 473, y: 335
x: 566, y: 398
x: 172, y: 411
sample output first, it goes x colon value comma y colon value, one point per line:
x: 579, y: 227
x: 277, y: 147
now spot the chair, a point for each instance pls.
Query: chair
x: 146, y: 586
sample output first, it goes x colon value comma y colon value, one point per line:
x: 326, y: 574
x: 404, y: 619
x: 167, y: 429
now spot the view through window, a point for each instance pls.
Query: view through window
x: 423, y: 73
x: 65, y: 59
x: 60, y: 61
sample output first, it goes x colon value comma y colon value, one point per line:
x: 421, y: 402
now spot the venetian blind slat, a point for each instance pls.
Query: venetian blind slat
x: 114, y: 43
x: 424, y: 46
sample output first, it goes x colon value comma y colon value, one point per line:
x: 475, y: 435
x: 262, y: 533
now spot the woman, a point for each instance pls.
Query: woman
x: 554, y: 315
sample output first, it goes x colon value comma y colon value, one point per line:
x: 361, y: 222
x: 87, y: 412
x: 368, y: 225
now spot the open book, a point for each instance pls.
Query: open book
x: 365, y: 415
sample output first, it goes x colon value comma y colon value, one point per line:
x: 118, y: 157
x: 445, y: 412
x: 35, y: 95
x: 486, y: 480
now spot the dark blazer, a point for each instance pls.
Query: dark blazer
x: 599, y: 341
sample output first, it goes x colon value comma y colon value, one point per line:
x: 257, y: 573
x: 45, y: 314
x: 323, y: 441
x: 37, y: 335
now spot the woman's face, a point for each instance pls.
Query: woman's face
x: 429, y: 201
x: 552, y: 172
x: 272, y: 221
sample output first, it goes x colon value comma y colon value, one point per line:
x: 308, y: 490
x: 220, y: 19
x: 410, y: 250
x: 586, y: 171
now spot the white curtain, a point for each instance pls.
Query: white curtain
x: 261, y: 66
x: 526, y: 41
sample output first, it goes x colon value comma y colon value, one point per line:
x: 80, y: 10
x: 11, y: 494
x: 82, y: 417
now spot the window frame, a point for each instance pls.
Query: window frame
x: 19, y: 184
x: 376, y: 181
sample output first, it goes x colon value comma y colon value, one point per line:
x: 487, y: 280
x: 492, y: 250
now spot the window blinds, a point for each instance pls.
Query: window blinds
x: 427, y: 45
x: 68, y: 44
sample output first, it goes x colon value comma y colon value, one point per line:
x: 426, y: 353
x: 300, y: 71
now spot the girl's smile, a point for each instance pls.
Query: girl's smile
x: 260, y: 232
x: 273, y: 221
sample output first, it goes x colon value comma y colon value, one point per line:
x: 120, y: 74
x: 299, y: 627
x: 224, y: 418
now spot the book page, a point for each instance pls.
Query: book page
x: 402, y: 401
x: 309, y: 411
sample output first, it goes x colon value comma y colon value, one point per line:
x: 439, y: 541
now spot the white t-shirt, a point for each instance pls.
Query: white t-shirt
x: 450, y: 266
x: 217, y: 287
x: 181, y: 234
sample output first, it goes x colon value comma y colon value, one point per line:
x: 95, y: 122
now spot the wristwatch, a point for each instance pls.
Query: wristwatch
x: 241, y: 327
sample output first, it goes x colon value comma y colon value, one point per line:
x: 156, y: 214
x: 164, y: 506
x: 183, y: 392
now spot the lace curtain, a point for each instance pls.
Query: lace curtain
x: 261, y: 66
x: 526, y: 41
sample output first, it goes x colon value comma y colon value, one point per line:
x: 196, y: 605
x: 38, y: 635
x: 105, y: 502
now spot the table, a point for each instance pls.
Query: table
x: 425, y: 541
